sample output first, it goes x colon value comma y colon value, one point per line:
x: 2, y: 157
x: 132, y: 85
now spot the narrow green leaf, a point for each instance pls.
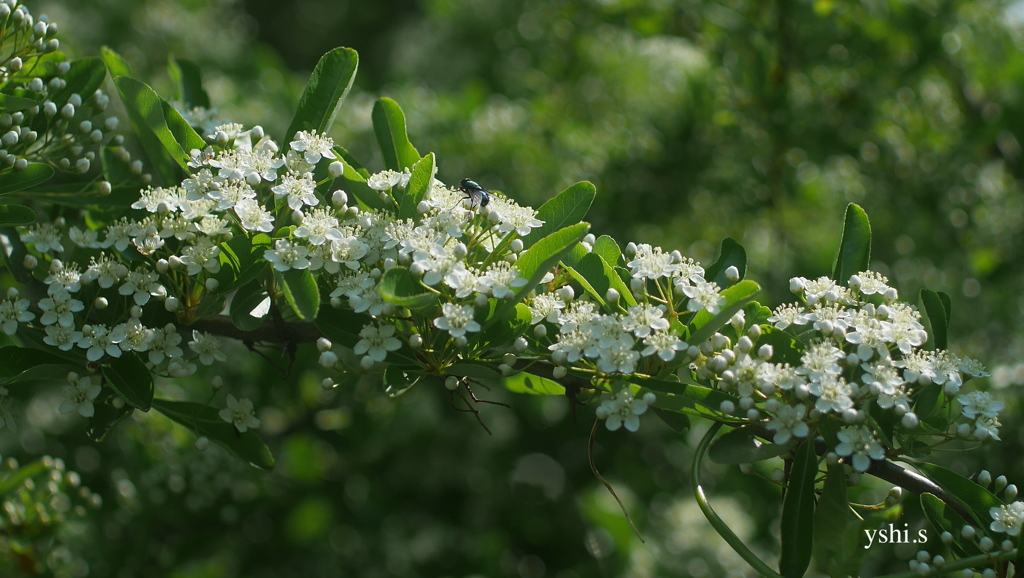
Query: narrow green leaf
x: 301, y: 292
x: 934, y: 318
x: 24, y: 363
x: 206, y: 420
x: 14, y: 479
x: 351, y: 162
x: 730, y: 254
x: 971, y: 495
x: 542, y: 257
x: 533, y: 384
x: 854, y: 254
x: 947, y: 305
x: 188, y: 82
x: 131, y: 379
x: 945, y: 519
x: 833, y: 510
x: 389, y: 126
x: 600, y: 277
x: 566, y: 208
x: 704, y: 325
x: 397, y: 382
x: 11, y: 215
x: 20, y: 181
x: 797, y: 528
x: 145, y: 109
x: 740, y: 446
x: 15, y: 260
x: 419, y: 187
x: 399, y: 287
x: 246, y: 299
x: 608, y: 249
x: 115, y: 64
x: 10, y: 103
x: 324, y: 94
x: 184, y: 135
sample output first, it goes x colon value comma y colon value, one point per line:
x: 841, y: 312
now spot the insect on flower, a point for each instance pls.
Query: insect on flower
x: 474, y: 193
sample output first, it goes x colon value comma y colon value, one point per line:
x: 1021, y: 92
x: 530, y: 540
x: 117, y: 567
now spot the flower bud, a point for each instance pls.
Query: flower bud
x: 611, y: 295
x: 216, y: 382
x: 732, y: 273
x: 366, y: 363
x: 451, y: 383
x: 559, y: 372
x: 727, y: 407
x: 753, y: 414
x: 328, y: 383
x: 422, y: 207
x: 986, y: 544
x: 963, y: 430
x: 415, y: 341
x: 171, y: 304
x: 29, y: 262
x: 328, y: 359
x: 910, y: 420
x: 778, y: 475
x: 565, y: 293
x: 82, y: 165
x: 336, y: 169
x: 516, y: 245
x: 202, y: 443
x: 744, y: 344
x: 520, y: 344
x: 967, y: 532
x: 1011, y: 493
x: 212, y: 284
x: 20, y: 164
x: 68, y: 110
x: 15, y: 64
x: 117, y: 402
x: 765, y: 352
x: 505, y: 369
x: 161, y: 266
x: 540, y: 330
x: 323, y: 344
x: 984, y: 478
x: 136, y: 311
x: 480, y: 300
x: 747, y: 468
x: 719, y: 341
x: 111, y: 123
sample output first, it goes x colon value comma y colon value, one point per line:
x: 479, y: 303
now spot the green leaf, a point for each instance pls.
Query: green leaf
x: 145, y: 109
x: 730, y: 254
x: 704, y: 325
x: 389, y: 126
x: 248, y: 297
x: 687, y: 398
x: 184, y: 135
x: 608, y: 249
x: 397, y: 382
x: 420, y: 183
x: 597, y: 276
x: 740, y: 446
x: 11, y: 215
x: 131, y: 379
x: 854, y: 254
x: 28, y: 363
x: 205, y: 420
x: 351, y: 163
x: 15, y: 260
x: 301, y: 292
x: 470, y: 369
x: 106, y: 417
x: 947, y: 305
x: 797, y: 527
x: 364, y: 195
x: 115, y: 64
x: 188, y: 82
x: 679, y: 422
x: 785, y: 348
x: 533, y: 384
x: 972, y: 496
x: 935, y: 319
x: 14, y: 479
x: 945, y: 519
x: 500, y: 332
x: 20, y: 181
x: 541, y: 258
x: 833, y: 510
x: 9, y: 103
x: 566, y: 208
x: 324, y: 94
x: 83, y: 78
x: 399, y: 287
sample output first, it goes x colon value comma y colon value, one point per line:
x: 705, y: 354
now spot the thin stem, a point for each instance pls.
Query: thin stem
x: 717, y: 523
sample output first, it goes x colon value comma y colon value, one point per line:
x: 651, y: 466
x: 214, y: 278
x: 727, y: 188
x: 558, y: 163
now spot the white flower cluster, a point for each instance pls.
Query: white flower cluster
x: 859, y: 347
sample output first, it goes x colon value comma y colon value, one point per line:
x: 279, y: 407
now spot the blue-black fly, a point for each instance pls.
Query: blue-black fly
x: 474, y: 193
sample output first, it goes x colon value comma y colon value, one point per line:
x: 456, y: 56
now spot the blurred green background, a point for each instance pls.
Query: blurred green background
x: 697, y: 120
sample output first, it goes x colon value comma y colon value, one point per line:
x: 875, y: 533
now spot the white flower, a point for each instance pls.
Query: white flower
x: 643, y: 319
x: 664, y: 343
x: 820, y: 359
x: 203, y: 255
x: 986, y: 427
x: 1007, y: 518
x: 163, y: 344
x: 208, y: 348
x: 63, y: 278
x: 861, y: 444
x: 788, y: 422
x: 544, y: 306
x: 239, y: 413
x: 79, y: 395
x: 384, y: 180
x: 298, y: 191
x: 500, y: 279
x: 141, y: 284
x: 61, y: 337
x: 313, y: 145
x: 87, y: 239
x: 44, y: 237
x: 651, y: 263
x: 456, y: 320
x: 705, y: 295
x: 979, y: 403
x: 254, y: 217
x: 105, y: 270
x: 870, y: 283
x: 619, y: 357
x: 833, y: 394
x: 623, y: 409
x: 98, y: 339
x: 231, y: 194
x: 286, y: 255
x: 319, y: 226
x: 972, y: 367
x: 12, y: 312
x: 376, y: 341
x: 512, y: 217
